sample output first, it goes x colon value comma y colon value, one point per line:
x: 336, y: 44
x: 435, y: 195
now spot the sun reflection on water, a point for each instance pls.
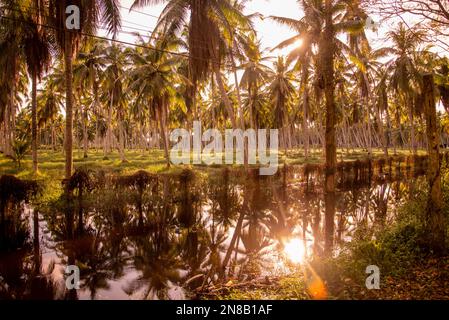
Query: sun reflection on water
x: 294, y: 250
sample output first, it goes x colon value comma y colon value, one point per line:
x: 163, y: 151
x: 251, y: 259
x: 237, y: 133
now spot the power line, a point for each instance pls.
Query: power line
x: 140, y: 12
x: 184, y: 55
x: 219, y: 63
x: 151, y: 31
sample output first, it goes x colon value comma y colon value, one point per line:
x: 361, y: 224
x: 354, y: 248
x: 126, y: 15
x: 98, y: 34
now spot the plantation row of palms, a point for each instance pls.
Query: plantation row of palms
x: 205, y: 62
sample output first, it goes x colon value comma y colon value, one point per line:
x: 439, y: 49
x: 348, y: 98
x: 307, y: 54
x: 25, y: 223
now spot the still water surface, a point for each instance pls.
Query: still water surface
x: 162, y: 237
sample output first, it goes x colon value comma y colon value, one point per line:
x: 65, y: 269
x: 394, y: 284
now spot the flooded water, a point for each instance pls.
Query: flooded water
x: 163, y: 237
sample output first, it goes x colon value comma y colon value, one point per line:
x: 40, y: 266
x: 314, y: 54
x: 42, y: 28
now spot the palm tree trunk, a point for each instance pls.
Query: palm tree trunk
x: 412, y: 132
x: 121, y: 141
x: 226, y: 99
x: 241, y: 115
x: 108, y: 138
x: 34, y: 119
x: 327, y: 49
x: 69, y: 105
x: 85, y: 134
x: 7, y: 129
x: 327, y: 52
x: 435, y: 219
x: 305, y: 110
x: 370, y: 134
x: 160, y: 114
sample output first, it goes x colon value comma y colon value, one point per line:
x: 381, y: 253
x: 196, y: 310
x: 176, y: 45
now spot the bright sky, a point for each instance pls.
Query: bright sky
x: 269, y: 32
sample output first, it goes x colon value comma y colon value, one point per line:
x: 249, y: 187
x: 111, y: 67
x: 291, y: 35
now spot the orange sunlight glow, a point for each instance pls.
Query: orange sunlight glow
x: 294, y: 250
x: 299, y: 43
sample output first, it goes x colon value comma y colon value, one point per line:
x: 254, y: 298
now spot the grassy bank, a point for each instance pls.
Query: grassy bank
x: 51, y: 163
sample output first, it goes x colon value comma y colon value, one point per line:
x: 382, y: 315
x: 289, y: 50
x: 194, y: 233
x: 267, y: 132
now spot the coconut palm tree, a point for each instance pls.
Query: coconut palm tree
x: 50, y: 102
x: 11, y: 62
x: 281, y: 90
x: 36, y: 44
x: 205, y: 22
x: 153, y: 79
x: 402, y: 70
x: 89, y: 73
x: 114, y: 90
x: 255, y: 75
x: 308, y: 29
x: 93, y: 12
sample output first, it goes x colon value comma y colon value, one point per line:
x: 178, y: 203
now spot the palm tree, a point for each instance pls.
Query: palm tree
x: 405, y: 78
x: 11, y: 31
x: 89, y: 72
x: 308, y: 30
x: 93, y: 11
x: 255, y: 74
x: 115, y: 92
x: 49, y: 104
x: 153, y: 79
x: 281, y: 91
x: 205, y: 22
x: 36, y: 46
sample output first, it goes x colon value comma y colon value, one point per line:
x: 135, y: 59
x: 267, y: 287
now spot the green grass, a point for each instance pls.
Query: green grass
x: 51, y: 163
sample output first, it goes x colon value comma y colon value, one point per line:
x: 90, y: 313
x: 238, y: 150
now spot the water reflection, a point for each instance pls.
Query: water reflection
x: 165, y: 237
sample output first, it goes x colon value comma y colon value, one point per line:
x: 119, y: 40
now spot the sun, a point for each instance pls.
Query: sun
x: 294, y: 250
x: 299, y: 43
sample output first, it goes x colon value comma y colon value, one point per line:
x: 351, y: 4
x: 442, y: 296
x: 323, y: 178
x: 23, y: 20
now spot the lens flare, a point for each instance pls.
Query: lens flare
x: 294, y: 250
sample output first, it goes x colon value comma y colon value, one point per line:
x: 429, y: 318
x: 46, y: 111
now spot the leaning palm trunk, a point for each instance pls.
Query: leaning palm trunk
x: 34, y: 120
x: 241, y: 115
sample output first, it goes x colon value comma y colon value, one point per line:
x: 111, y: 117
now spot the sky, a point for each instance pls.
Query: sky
x: 269, y: 32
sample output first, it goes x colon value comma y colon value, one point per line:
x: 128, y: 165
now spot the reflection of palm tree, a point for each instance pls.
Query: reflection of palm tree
x: 158, y: 261
x: 156, y: 255
x: 255, y: 230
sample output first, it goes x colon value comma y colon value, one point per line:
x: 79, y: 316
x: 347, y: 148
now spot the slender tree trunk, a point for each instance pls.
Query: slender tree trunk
x: 108, y: 138
x: 85, y: 133
x: 412, y: 128
x: 370, y: 134
x: 383, y: 132
x: 7, y: 129
x: 305, y: 108
x: 34, y: 119
x: 435, y: 220
x: 160, y: 114
x: 121, y: 140
x: 241, y: 114
x: 226, y: 99
x: 69, y: 105
x: 327, y: 54
x: 53, y: 137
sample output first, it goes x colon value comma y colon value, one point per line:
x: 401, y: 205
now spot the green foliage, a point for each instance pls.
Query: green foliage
x: 20, y: 148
